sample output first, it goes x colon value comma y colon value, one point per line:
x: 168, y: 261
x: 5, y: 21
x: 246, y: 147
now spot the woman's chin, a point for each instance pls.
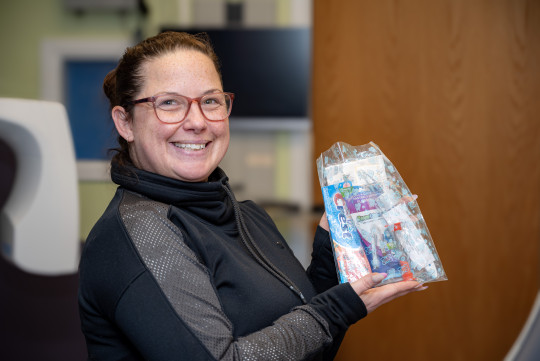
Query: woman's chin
x: 193, y: 174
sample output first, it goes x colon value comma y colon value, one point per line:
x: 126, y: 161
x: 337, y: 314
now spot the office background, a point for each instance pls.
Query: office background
x: 448, y: 89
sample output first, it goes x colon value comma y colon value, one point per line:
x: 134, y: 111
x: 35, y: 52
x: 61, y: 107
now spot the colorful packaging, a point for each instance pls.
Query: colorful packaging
x: 375, y: 222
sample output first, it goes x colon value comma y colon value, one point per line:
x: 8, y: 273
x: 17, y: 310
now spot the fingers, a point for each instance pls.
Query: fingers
x: 378, y: 296
x: 420, y: 287
x: 408, y: 199
x: 399, y: 289
x: 367, y: 282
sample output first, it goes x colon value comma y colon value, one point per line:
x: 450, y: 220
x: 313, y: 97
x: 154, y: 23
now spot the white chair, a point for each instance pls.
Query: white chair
x: 39, y: 224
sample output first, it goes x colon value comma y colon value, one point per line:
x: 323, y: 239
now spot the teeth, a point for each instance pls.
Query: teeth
x: 190, y: 146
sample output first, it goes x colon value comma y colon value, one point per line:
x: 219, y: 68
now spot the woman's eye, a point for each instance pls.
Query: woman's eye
x: 217, y: 100
x: 168, y: 102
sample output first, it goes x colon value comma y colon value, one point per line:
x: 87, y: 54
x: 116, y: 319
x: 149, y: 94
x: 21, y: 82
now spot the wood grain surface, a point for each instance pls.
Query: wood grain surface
x: 450, y: 91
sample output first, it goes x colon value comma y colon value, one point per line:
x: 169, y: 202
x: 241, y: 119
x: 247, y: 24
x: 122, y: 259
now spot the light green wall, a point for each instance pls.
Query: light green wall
x: 25, y: 23
x: 93, y: 198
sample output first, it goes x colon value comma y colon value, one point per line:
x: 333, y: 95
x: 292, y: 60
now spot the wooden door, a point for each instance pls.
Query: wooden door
x: 450, y: 91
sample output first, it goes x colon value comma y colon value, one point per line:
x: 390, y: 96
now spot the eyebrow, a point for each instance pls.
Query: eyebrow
x: 204, y: 93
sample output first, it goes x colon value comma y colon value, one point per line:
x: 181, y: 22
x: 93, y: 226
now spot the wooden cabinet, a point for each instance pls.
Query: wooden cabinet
x: 450, y: 91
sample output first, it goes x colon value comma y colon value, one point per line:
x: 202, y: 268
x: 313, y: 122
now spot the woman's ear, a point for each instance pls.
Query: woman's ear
x: 123, y: 123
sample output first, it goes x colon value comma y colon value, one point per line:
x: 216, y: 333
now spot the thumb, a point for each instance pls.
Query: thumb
x: 367, y: 282
x: 324, y: 222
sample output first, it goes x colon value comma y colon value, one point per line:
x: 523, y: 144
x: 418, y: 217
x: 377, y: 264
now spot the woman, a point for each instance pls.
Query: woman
x: 176, y: 268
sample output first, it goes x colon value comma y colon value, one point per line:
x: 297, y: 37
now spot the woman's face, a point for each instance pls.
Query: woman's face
x: 189, y: 150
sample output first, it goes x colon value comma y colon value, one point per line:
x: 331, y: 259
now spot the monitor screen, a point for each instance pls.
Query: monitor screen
x: 267, y: 69
x: 88, y: 109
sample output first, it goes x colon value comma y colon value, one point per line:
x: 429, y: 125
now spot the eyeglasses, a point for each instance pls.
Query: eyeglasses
x: 173, y: 108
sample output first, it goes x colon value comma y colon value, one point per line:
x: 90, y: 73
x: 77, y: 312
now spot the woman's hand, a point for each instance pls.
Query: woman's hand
x: 324, y: 223
x: 375, y: 297
x: 408, y: 199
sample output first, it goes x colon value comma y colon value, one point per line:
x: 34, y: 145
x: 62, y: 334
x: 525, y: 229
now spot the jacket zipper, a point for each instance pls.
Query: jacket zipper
x: 254, y: 250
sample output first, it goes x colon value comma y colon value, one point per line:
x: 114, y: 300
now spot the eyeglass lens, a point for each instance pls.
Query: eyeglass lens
x: 172, y: 108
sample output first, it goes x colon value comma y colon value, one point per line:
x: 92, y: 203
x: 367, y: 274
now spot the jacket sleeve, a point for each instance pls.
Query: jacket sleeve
x: 179, y: 307
x: 322, y: 269
x: 323, y: 275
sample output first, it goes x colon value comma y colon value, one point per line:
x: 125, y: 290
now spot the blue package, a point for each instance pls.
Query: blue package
x: 349, y: 254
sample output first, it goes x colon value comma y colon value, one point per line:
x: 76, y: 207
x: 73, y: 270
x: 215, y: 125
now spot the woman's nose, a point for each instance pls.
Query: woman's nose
x: 195, y: 119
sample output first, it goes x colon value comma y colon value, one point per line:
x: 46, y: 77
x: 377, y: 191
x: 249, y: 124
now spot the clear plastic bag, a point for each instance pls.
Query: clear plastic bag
x: 375, y: 222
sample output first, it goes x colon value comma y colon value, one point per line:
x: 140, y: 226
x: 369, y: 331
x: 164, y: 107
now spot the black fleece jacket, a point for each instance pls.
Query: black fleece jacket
x: 182, y: 271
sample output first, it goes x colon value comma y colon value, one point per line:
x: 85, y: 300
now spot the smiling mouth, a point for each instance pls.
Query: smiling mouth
x: 190, y: 146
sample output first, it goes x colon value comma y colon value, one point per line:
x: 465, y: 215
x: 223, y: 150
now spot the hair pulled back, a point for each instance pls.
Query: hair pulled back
x: 125, y: 81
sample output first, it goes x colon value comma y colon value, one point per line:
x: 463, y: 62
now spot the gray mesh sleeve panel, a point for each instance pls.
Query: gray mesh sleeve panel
x: 187, y: 284
x: 293, y: 336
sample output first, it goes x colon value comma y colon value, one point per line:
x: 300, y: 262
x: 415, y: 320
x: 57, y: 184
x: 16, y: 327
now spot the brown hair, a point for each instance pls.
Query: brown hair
x: 126, y: 80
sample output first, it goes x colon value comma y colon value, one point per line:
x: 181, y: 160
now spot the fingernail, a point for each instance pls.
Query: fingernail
x: 419, y: 285
x: 378, y: 277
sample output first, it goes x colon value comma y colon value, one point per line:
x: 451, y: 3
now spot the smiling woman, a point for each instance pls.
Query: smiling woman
x: 176, y: 267
x: 165, y: 134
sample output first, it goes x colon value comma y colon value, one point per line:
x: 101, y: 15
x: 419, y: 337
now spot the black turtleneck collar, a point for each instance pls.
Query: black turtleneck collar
x: 207, y: 199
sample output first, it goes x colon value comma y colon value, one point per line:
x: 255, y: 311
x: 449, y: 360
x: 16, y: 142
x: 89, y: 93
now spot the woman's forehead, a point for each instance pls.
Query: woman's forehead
x: 179, y: 60
x: 180, y: 69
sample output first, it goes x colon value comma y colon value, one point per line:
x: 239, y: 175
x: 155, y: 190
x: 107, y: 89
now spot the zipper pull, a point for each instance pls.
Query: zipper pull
x: 299, y: 293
